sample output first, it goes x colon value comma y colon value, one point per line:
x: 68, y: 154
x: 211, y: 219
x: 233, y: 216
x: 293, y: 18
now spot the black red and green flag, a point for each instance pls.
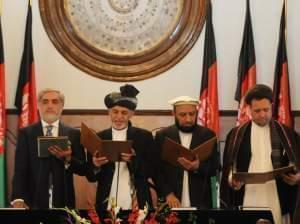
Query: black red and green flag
x: 247, y: 68
x: 208, y: 111
x: 2, y: 125
x: 281, y: 87
x: 25, y: 100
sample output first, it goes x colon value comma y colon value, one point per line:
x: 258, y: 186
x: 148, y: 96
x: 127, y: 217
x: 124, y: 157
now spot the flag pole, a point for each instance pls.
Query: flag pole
x: 285, y: 21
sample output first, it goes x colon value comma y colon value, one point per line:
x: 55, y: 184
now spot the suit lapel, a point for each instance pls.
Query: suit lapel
x: 107, y: 134
x: 288, y: 142
x: 195, y: 137
x: 130, y: 136
x: 130, y: 133
x: 62, y: 130
x: 38, y: 130
x: 174, y: 134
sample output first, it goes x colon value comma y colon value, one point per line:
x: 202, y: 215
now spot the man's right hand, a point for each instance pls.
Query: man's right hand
x: 235, y: 184
x: 172, y: 201
x: 189, y: 165
x: 19, y: 204
x: 99, y: 161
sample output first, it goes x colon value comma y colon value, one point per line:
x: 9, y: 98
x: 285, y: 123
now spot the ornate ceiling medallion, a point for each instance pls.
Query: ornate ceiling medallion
x: 123, y: 40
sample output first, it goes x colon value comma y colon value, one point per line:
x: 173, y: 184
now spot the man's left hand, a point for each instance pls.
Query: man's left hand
x: 291, y: 179
x: 61, y: 154
x: 126, y: 157
x: 189, y: 165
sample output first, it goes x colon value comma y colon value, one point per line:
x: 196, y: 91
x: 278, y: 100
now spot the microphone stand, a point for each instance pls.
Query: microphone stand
x: 117, y: 187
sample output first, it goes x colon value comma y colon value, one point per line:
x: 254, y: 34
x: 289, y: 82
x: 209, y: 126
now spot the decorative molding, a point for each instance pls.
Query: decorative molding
x: 123, y: 40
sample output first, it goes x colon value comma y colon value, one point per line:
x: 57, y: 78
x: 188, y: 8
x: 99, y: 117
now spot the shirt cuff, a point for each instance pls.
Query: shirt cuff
x: 96, y: 170
x: 67, y: 165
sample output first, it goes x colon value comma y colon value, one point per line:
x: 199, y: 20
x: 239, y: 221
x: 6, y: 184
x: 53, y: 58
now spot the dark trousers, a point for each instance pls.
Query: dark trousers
x: 296, y: 219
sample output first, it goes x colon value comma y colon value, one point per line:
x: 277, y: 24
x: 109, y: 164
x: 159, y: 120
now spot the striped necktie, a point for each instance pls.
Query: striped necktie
x: 49, y: 130
x: 49, y: 133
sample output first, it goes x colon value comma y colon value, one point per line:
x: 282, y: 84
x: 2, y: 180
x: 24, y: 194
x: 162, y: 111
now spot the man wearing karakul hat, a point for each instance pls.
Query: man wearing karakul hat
x: 189, y: 184
x: 124, y: 182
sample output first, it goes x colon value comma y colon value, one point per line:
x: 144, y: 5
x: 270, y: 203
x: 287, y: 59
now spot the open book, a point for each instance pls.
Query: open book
x: 262, y: 177
x: 172, y: 150
x: 107, y: 148
x: 44, y: 142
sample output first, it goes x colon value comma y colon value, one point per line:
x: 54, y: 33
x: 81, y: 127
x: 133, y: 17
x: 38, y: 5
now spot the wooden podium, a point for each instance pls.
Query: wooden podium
x: 33, y: 216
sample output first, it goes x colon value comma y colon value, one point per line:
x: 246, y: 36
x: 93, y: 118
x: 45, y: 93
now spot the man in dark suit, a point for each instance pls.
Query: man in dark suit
x: 187, y: 185
x: 123, y: 184
x: 47, y: 182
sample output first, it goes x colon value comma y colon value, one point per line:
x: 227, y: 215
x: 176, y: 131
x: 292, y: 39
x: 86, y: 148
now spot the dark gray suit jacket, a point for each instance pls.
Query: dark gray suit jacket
x: 31, y: 176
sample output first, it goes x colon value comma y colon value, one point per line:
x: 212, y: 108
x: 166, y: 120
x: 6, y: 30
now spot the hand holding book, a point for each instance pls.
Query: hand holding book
x: 64, y: 154
x: 172, y: 151
x: 126, y: 157
x: 112, y: 150
x: 292, y: 178
x: 189, y: 165
x: 57, y: 146
x: 98, y: 160
x: 262, y: 177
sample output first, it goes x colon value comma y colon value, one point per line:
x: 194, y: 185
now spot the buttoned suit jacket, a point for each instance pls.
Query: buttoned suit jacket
x: 31, y: 175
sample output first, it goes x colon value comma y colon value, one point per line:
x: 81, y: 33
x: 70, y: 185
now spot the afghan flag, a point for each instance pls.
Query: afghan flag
x: 2, y: 125
x: 208, y: 112
x: 25, y: 100
x: 281, y: 98
x: 247, y: 69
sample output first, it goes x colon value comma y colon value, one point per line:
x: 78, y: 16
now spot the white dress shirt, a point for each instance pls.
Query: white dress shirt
x: 185, y: 139
x: 262, y: 195
x: 120, y: 191
x: 54, y: 133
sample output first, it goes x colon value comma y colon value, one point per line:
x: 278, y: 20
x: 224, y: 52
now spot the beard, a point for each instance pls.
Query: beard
x: 185, y: 129
x: 50, y: 118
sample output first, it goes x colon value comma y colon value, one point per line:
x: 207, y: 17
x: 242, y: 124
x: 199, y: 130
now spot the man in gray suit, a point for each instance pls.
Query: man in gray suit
x: 47, y: 182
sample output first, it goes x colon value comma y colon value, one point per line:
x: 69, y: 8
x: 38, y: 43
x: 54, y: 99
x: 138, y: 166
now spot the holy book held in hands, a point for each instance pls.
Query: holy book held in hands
x: 262, y: 177
x: 45, y: 142
x: 172, y: 150
x: 107, y: 148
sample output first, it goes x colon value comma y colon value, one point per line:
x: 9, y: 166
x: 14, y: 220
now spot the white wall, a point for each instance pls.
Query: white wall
x: 86, y: 92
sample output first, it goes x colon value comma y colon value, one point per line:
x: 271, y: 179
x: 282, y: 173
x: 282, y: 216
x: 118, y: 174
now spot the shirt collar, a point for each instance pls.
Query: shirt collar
x: 54, y: 124
x: 124, y: 130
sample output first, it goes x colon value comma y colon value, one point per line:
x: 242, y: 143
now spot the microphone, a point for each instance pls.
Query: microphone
x: 117, y: 187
